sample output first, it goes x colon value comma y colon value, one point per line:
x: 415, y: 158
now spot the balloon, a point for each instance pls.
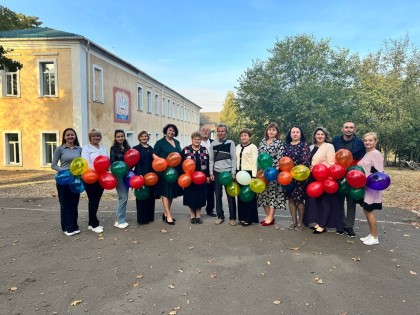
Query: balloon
x: 225, y: 178
x: 330, y: 186
x: 320, y: 172
x: 188, y: 166
x: 260, y: 175
x: 150, y: 179
x: 300, y: 172
x: 378, y: 181
x: 356, y: 193
x: 344, y: 157
x: 142, y: 193
x: 243, y: 177
x: 264, y: 160
x: 289, y: 188
x: 64, y: 177
x: 356, y: 167
x: 131, y: 157
x: 284, y: 178
x: 315, y: 189
x: 119, y: 169
x: 107, y: 180
x: 286, y: 164
x: 159, y: 164
x: 356, y: 179
x: 336, y: 171
x: 170, y: 175
x: 90, y: 176
x: 257, y: 185
x: 137, y: 181
x: 78, y: 166
x: 198, y: 177
x: 233, y: 189
x: 270, y: 173
x: 77, y: 185
x: 128, y: 178
x: 101, y: 163
x: 173, y: 159
x: 246, y: 194
x: 184, y: 180
x: 343, y: 187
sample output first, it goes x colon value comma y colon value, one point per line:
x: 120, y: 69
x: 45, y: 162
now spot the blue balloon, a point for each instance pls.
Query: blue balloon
x: 270, y: 174
x: 77, y: 186
x: 64, y: 177
x: 378, y: 181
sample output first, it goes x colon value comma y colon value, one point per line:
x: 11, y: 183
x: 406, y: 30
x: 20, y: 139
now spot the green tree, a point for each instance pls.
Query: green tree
x: 10, y: 20
x: 229, y: 116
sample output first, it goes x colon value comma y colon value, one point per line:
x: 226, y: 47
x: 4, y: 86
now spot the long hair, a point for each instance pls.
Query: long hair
x: 125, y: 144
x: 289, y: 135
x: 76, y: 140
x: 272, y: 125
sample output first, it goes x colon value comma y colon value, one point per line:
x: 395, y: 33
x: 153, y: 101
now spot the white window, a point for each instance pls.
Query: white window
x: 149, y: 101
x: 13, y: 149
x: 98, y: 84
x: 163, y: 107
x: 48, y: 81
x: 49, y: 142
x: 173, y: 110
x: 139, y: 98
x: 11, y: 86
x: 156, y: 104
x: 169, y: 108
x: 129, y: 136
x: 150, y: 139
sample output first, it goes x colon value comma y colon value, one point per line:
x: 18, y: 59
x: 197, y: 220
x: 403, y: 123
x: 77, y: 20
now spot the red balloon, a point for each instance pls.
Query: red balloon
x: 320, y: 172
x: 173, y: 159
x: 344, y: 158
x: 108, y: 181
x: 159, y: 164
x: 356, y: 179
x: 188, y: 166
x: 150, y: 179
x: 198, y: 178
x: 286, y: 164
x: 260, y: 175
x: 284, y: 178
x: 137, y: 181
x: 336, y: 171
x: 184, y: 180
x: 330, y: 186
x: 131, y: 157
x: 90, y: 176
x: 315, y: 189
x: 101, y: 163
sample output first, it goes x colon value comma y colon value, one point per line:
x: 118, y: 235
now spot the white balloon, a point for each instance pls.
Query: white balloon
x: 243, y: 178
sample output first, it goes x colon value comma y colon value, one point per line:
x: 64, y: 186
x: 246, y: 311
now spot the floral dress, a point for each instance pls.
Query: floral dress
x: 272, y: 196
x: 300, y: 154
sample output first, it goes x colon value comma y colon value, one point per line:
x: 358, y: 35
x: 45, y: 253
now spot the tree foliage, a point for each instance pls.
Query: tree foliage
x: 229, y: 116
x: 10, y: 20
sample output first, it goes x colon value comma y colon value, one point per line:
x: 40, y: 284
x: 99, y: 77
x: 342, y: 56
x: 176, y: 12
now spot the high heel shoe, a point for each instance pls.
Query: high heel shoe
x: 264, y: 223
x: 318, y: 231
x: 164, y: 218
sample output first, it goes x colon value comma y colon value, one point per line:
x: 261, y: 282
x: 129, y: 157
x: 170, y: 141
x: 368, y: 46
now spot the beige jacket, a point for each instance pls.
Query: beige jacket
x: 324, y: 155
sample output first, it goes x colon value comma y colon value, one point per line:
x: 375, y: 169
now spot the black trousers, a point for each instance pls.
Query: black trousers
x: 69, y: 201
x: 94, y: 192
x: 218, y: 189
x: 210, y: 197
x: 146, y: 209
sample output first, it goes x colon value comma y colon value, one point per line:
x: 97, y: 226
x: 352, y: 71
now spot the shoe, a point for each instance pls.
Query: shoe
x: 363, y: 239
x: 372, y: 241
x: 245, y: 224
x: 170, y: 223
x: 318, y: 231
x: 121, y: 225
x: 219, y: 221
x: 339, y: 232
x: 349, y: 231
x: 262, y: 221
x: 299, y: 227
x: 232, y: 222
x: 72, y: 233
x: 212, y: 214
x: 193, y: 221
x: 268, y: 224
x: 98, y: 229
x: 198, y: 221
x: 164, y: 219
x: 292, y: 226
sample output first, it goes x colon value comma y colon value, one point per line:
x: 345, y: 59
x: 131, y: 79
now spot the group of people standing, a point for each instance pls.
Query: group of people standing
x: 327, y: 212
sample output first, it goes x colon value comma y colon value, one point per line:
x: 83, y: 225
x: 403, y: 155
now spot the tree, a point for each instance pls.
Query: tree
x: 229, y: 115
x: 7, y: 63
x: 10, y: 20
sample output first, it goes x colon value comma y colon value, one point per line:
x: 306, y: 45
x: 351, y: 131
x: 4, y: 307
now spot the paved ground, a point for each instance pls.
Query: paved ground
x: 200, y: 269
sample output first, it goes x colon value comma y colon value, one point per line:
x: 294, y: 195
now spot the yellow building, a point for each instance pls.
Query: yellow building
x: 69, y: 81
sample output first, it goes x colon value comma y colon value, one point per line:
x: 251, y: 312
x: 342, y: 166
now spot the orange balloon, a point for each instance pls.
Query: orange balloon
x: 284, y: 178
x: 260, y: 175
x: 184, y: 180
x: 90, y: 176
x: 188, y: 166
x: 344, y: 158
x: 159, y: 164
x: 173, y: 159
x: 286, y: 164
x: 150, y: 179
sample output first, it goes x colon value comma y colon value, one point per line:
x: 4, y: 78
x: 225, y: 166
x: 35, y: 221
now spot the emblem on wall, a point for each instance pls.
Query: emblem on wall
x: 122, y: 110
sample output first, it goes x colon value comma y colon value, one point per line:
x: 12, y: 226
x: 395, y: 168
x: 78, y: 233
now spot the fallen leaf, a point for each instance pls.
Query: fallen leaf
x: 191, y: 247
x: 198, y: 271
x: 343, y: 313
x: 172, y: 313
x: 136, y: 284
x: 277, y: 302
x: 407, y: 235
x: 349, y: 241
x: 177, y: 308
x: 181, y: 271
x: 136, y: 242
x: 318, y: 280
x: 413, y: 273
x: 13, y: 289
x: 213, y: 275
x: 294, y: 248
x: 139, y: 276
x: 262, y: 274
x: 75, y: 302
x: 101, y: 238
x: 163, y: 231
x: 356, y: 258
x: 171, y: 286
x: 268, y: 263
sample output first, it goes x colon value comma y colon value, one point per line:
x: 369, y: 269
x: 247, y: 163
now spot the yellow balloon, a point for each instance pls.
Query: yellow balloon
x: 257, y: 185
x: 233, y: 189
x: 300, y: 172
x: 78, y: 166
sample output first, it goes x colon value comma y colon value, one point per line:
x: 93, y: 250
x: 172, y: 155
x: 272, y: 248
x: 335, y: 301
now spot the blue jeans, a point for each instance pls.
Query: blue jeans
x: 122, y: 192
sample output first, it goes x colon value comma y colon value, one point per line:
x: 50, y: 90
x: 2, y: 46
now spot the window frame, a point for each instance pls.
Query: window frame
x: 140, y: 104
x: 101, y: 87
x: 44, y: 145
x: 40, y: 63
x: 149, y: 101
x: 129, y: 136
x: 157, y: 103
x: 6, y: 149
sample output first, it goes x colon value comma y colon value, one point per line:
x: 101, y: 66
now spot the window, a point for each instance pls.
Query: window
x: 12, y: 148
x: 49, y: 144
x: 11, y: 88
x: 129, y: 135
x: 98, y: 84
x: 169, y: 108
x: 150, y: 139
x: 48, y: 78
x: 139, y: 98
x: 149, y: 101
x: 173, y: 110
x: 156, y: 104
x: 163, y: 106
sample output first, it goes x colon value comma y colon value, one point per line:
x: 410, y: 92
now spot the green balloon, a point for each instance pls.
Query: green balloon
x: 356, y: 193
x: 171, y: 175
x: 225, y: 178
x: 355, y: 167
x: 246, y: 194
x: 233, y: 189
x: 142, y: 193
x: 343, y: 187
x: 264, y: 160
x: 119, y: 169
x: 257, y: 185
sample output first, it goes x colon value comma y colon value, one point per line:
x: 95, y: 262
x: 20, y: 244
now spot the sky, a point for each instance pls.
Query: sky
x: 201, y: 48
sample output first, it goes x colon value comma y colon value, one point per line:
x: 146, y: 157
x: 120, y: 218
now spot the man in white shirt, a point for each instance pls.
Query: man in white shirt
x: 205, y: 142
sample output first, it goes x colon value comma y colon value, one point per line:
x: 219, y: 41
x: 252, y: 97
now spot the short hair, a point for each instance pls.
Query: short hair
x: 220, y: 125
x: 196, y: 134
x: 144, y: 132
x: 245, y: 130
x: 94, y: 131
x: 374, y: 134
x: 165, y: 129
x: 289, y: 135
x: 272, y: 125
x: 326, y: 133
x: 76, y: 140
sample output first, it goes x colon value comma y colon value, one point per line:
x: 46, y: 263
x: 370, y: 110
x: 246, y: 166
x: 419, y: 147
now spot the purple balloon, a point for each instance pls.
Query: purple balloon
x: 127, y: 179
x: 378, y: 181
